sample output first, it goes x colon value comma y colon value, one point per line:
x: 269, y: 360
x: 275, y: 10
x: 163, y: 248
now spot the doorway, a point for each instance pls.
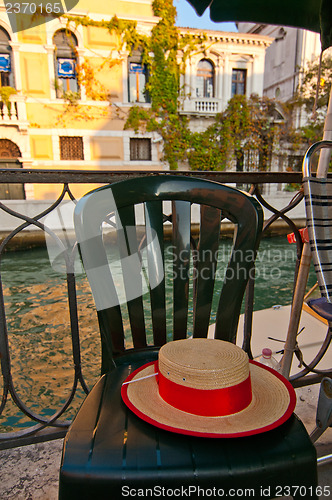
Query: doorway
x: 9, y: 158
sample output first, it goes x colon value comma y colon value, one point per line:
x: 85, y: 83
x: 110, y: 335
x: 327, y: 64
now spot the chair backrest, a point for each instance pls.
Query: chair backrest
x: 318, y: 204
x: 147, y: 263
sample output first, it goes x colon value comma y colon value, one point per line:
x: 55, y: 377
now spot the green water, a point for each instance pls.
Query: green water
x: 39, y: 327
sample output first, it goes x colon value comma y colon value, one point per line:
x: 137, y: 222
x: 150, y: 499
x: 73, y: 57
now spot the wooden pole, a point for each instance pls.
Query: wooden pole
x: 295, y: 315
x: 300, y: 288
x: 325, y: 154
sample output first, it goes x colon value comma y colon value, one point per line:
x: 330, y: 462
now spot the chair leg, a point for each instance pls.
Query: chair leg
x: 324, y: 409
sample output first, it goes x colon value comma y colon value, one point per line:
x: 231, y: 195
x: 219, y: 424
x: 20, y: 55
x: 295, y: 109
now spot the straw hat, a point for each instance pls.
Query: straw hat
x: 208, y: 387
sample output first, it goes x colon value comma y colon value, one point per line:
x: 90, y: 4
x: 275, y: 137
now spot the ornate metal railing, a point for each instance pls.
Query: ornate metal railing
x: 46, y: 426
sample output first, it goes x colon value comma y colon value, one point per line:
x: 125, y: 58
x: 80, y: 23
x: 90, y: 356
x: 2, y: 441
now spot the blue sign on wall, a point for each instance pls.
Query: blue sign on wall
x: 5, y: 62
x: 136, y: 68
x: 66, y: 68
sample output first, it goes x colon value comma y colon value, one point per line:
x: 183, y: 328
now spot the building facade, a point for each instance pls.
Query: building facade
x: 292, y: 50
x: 232, y: 64
x: 51, y: 118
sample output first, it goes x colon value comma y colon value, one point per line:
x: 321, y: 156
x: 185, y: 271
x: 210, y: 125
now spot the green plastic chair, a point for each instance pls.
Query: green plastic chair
x: 108, y: 451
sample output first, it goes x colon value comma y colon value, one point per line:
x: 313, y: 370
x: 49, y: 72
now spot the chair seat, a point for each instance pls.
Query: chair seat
x: 109, y: 450
x: 322, y: 307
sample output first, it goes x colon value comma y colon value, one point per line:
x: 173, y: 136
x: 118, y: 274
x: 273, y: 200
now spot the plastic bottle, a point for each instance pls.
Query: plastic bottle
x: 268, y: 360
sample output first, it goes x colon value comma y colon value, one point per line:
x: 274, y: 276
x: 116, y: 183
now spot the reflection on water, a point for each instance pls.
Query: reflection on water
x: 39, y: 327
x: 39, y: 334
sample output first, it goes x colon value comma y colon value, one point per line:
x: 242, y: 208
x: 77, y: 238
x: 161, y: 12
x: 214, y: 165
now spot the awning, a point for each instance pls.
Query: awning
x: 66, y: 68
x: 5, y: 63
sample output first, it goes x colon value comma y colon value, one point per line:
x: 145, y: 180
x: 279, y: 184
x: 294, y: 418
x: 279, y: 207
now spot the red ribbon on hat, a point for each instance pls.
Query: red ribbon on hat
x: 206, y: 402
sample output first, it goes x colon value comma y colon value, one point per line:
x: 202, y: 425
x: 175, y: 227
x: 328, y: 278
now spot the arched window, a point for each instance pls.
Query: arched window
x: 205, y: 79
x: 6, y: 63
x: 65, y: 62
x: 137, y: 78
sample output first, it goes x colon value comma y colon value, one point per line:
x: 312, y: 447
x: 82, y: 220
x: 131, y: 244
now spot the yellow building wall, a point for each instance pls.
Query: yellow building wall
x: 49, y: 117
x: 36, y: 35
x: 83, y: 117
x: 41, y: 147
x: 35, y: 75
x: 110, y: 79
x: 107, y: 148
x: 52, y: 191
x: 100, y: 38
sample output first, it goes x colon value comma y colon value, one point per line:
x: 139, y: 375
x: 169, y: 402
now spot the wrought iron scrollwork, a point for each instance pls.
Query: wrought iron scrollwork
x: 68, y: 255
x: 54, y: 425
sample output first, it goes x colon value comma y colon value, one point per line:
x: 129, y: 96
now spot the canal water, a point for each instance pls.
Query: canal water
x: 39, y: 328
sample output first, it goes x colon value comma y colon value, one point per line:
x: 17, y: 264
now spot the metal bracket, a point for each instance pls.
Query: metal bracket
x: 324, y: 409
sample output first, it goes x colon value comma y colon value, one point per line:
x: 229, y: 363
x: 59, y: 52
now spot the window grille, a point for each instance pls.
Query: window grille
x: 71, y: 148
x: 140, y: 149
x: 9, y: 149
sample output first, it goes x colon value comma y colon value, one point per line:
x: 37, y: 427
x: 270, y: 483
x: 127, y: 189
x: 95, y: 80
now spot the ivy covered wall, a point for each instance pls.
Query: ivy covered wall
x: 165, y: 51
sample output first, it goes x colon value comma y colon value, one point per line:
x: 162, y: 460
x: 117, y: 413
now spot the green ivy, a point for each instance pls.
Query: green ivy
x: 314, y: 96
x: 6, y: 93
x: 244, y: 125
x: 164, y: 44
x: 125, y: 29
x: 160, y: 53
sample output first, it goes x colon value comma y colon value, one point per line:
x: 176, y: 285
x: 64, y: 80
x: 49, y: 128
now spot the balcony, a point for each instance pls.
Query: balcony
x: 14, y: 112
x: 201, y: 106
